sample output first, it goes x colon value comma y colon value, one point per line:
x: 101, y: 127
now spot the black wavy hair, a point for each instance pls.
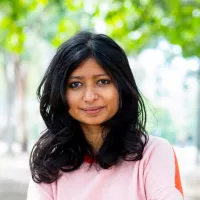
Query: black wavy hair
x: 62, y: 147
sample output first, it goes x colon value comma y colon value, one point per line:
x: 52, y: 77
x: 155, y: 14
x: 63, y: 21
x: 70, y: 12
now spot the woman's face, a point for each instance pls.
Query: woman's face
x: 91, y: 94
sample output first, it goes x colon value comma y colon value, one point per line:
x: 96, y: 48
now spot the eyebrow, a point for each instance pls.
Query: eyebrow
x: 82, y: 77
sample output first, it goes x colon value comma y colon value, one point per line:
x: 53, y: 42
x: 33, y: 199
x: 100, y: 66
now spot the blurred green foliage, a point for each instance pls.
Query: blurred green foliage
x: 13, y: 21
x: 137, y: 22
x: 133, y: 23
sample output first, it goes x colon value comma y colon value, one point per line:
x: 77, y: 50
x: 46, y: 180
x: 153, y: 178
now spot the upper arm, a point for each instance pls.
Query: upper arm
x: 161, y: 173
x: 40, y: 191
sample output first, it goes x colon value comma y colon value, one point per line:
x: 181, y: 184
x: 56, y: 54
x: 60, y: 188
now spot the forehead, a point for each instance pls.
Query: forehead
x: 87, y: 68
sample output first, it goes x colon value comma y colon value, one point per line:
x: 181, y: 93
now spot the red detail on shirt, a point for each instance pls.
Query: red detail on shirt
x: 89, y: 159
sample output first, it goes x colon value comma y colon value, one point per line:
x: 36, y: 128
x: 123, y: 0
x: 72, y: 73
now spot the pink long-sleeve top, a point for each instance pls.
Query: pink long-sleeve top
x: 155, y: 177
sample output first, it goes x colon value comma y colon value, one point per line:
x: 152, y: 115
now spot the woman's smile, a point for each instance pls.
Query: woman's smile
x: 93, y: 110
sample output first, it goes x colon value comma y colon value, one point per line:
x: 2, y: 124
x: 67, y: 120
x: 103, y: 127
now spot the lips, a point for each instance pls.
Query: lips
x: 93, y: 110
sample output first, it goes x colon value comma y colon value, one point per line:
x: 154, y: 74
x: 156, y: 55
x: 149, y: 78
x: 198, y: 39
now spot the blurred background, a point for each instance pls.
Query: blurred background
x: 162, y: 41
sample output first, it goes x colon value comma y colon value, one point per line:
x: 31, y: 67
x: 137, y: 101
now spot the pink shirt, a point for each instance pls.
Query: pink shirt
x: 155, y: 177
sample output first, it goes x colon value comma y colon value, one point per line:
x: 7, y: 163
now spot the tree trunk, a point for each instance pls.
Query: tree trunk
x: 198, y: 116
x: 22, y: 112
x: 21, y: 91
x: 10, y: 79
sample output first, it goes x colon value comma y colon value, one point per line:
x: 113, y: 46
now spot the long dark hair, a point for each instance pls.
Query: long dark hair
x: 62, y: 146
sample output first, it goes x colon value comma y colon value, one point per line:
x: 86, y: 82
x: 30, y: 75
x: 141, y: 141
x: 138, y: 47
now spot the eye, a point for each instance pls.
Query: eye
x: 103, y: 82
x: 75, y: 85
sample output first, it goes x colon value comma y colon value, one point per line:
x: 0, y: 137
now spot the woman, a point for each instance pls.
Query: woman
x: 95, y: 146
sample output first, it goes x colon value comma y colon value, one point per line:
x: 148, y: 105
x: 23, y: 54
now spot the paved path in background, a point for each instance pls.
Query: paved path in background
x: 14, y: 177
x: 11, y: 190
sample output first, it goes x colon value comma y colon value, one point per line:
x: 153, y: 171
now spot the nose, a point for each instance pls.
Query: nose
x: 90, y: 95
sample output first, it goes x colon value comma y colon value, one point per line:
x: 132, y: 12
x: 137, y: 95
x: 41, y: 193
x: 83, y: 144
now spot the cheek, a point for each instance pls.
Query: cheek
x: 114, y: 100
x: 72, y: 106
x: 71, y: 98
x: 71, y: 103
x: 68, y: 99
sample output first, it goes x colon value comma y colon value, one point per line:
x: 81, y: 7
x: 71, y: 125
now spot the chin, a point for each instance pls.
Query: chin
x: 93, y: 122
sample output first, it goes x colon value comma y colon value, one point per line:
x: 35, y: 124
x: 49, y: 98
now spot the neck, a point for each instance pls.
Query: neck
x: 93, y: 134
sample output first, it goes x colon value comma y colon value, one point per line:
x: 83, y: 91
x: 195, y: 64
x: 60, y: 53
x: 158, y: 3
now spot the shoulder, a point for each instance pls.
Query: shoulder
x: 158, y: 147
x: 155, y: 141
x: 161, y: 170
x: 39, y: 191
